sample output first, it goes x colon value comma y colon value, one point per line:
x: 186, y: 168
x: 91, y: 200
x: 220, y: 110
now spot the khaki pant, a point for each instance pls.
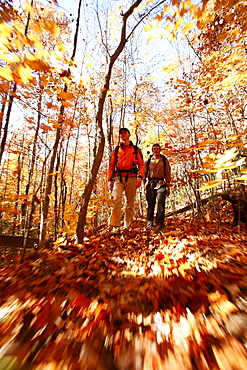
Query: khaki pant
x: 129, y: 188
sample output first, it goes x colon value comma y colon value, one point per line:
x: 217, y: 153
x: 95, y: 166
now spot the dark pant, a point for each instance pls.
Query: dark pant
x: 153, y: 196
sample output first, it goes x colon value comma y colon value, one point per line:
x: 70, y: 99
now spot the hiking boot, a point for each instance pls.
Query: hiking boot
x: 159, y: 227
x: 116, y: 230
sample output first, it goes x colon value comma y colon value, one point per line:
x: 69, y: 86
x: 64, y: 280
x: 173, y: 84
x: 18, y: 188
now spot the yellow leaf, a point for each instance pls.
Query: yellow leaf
x: 53, y: 173
x: 139, y: 8
x: 216, y: 297
x: 148, y: 27
x: 178, y: 23
x: 25, y: 73
x: 52, y: 27
x: 48, y: 366
x: 224, y: 308
x: 10, y: 58
x: 169, y: 27
x: 62, y: 47
x: 242, y: 178
x: 210, y: 184
x: 188, y: 27
x: 183, y: 267
x: 231, y: 80
x: 5, y: 33
x: 170, y: 69
x: 6, y: 73
x: 206, y: 171
x: 171, y: 36
x: 231, y: 165
x: 227, y: 156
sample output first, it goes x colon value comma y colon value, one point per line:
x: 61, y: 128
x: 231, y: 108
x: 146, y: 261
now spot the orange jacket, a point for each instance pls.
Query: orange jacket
x: 127, y: 157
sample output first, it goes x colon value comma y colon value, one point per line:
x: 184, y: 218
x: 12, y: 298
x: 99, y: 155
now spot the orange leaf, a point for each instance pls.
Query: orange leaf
x: 81, y: 301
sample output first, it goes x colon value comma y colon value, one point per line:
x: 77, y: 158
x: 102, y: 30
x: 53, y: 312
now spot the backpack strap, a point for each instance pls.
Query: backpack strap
x: 115, y: 170
x: 132, y: 170
x: 164, y: 163
x: 148, y: 165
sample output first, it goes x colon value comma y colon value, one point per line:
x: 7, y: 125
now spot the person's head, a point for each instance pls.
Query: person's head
x: 124, y: 134
x: 123, y: 130
x: 156, y: 148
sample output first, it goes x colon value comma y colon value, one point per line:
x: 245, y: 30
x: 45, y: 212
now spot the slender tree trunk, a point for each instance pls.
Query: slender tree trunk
x: 25, y: 208
x: 4, y: 98
x: 11, y: 99
x: 73, y: 167
x: 56, y: 194
x: 6, y: 126
x: 45, y: 208
x: 123, y: 106
x: 18, y: 185
x: 99, y: 122
x: 110, y: 128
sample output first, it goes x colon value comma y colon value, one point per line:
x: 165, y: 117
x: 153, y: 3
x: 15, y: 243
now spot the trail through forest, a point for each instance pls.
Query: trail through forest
x: 148, y: 300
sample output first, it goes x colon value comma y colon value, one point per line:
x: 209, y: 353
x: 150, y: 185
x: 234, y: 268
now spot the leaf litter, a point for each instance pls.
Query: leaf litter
x: 144, y: 300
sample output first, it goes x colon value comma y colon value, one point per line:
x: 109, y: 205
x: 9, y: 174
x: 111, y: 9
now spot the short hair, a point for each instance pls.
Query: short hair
x: 156, y: 145
x: 123, y: 129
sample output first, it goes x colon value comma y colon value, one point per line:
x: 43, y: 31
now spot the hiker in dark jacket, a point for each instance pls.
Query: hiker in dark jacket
x: 157, y: 178
x: 125, y: 174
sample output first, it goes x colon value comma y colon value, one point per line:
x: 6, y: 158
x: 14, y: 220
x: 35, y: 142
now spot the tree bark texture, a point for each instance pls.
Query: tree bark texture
x: 99, y: 124
x: 45, y: 209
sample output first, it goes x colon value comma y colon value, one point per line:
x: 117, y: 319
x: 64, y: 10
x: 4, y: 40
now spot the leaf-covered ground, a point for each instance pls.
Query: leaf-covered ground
x: 142, y: 300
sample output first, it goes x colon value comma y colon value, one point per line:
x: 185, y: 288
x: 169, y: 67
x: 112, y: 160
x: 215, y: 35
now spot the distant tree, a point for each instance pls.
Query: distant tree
x: 99, y: 121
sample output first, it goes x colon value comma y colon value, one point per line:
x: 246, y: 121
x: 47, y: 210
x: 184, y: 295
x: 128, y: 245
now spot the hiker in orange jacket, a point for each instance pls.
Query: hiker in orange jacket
x: 125, y: 174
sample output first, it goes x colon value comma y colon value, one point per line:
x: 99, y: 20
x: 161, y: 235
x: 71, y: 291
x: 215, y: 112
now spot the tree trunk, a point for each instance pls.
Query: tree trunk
x: 5, y: 130
x: 4, y: 99
x: 25, y: 208
x: 45, y: 208
x: 11, y: 99
x: 99, y: 122
x: 73, y: 164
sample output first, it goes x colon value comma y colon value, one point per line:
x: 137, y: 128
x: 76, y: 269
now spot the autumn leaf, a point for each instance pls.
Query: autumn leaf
x: 210, y: 184
x: 66, y: 96
x: 38, y: 65
x: 81, y: 301
x: 6, y: 73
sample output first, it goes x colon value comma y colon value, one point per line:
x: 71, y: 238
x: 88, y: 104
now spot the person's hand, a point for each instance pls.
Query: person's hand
x: 138, y: 182
x: 110, y: 185
x: 144, y: 185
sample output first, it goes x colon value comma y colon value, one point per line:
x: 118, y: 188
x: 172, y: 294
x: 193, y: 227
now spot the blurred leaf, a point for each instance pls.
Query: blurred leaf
x: 210, y: 184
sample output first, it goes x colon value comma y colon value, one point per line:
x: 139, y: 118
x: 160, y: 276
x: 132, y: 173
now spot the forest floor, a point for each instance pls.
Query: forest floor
x: 143, y: 300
